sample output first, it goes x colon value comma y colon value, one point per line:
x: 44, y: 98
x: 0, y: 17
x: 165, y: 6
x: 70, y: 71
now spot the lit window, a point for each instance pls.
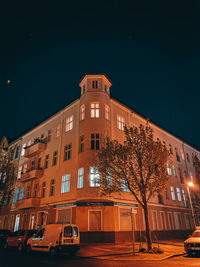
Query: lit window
x: 82, y: 112
x: 94, y: 112
x: 125, y: 187
x: 65, y: 186
x: 21, y: 194
x: 25, y: 168
x: 23, y: 150
x: 172, y: 193
x: 95, y: 84
x: 69, y: 123
x: 120, y: 122
x: 169, y: 171
x: 174, y: 170
x: 107, y: 112
x: 19, y: 172
x: 68, y: 152
x: 178, y: 192
x: 191, y: 177
x: 52, y: 188
x: 16, y: 195
x: 58, y: 130
x: 108, y: 181
x: 182, y: 154
x: 81, y: 149
x: 94, y: 177
x: 80, y: 177
x: 95, y: 141
x: 55, y: 157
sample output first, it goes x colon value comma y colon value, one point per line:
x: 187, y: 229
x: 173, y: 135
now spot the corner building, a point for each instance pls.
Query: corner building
x: 57, y: 181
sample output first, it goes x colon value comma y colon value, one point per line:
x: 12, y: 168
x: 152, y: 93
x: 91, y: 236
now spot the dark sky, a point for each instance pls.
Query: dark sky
x: 150, y: 50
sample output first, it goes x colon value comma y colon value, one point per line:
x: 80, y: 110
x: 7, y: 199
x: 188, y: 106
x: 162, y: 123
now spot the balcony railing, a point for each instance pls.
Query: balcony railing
x: 31, y: 174
x: 28, y: 203
x: 34, y: 149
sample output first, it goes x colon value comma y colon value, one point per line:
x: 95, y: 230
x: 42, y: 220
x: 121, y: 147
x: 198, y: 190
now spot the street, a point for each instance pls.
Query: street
x: 12, y: 258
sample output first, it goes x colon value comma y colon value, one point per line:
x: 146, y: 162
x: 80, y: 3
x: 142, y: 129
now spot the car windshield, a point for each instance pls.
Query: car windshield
x: 196, y: 234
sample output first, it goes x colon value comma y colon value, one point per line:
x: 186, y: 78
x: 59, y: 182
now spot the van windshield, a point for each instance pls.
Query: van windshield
x: 68, y: 231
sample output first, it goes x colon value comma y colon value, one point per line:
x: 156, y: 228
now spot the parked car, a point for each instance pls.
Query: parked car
x: 3, y: 235
x: 18, y: 239
x: 192, y: 244
x: 56, y: 238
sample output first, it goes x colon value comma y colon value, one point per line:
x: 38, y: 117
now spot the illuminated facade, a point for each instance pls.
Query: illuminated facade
x: 57, y: 180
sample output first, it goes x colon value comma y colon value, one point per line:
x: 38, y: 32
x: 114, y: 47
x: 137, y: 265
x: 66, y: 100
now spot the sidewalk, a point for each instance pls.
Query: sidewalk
x: 124, y: 251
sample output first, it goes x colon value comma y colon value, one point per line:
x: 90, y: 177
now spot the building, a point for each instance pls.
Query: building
x: 57, y: 181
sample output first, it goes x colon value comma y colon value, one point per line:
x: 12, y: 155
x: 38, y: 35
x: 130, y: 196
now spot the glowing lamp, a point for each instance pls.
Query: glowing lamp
x: 190, y: 184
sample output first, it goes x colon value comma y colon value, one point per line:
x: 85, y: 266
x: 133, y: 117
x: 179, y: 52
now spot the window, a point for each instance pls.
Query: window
x: 120, y: 122
x: 94, y: 111
x: 108, y: 181
x: 170, y: 149
x: 58, y: 130
x: 181, y: 176
x: 169, y: 171
x: 191, y: 177
x: 55, y: 157
x: 49, y: 136
x: 82, y: 112
x: 80, y: 177
x: 107, y: 112
x: 174, y: 170
x: 28, y: 191
x: 182, y: 154
x: 46, y: 164
x: 25, y: 168
x: 23, y: 150
x: 172, y: 193
x: 187, y: 156
x: 95, y: 84
x: 32, y: 221
x: 43, y: 189
x: 178, y: 192
x: 16, y: 195
x: 21, y: 194
x: 65, y: 186
x: 69, y: 123
x: 125, y: 187
x: 177, y: 155
x: 68, y: 152
x: 17, y: 152
x: 35, y: 190
x: 81, y: 149
x: 184, y: 198
x: 39, y: 164
x: 95, y: 141
x: 52, y: 188
x: 94, y: 177
x: 16, y: 228
x: 19, y: 172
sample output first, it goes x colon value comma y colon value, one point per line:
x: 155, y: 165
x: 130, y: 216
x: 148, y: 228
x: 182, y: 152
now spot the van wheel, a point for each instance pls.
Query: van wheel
x: 28, y: 249
x: 52, y: 252
x: 20, y: 247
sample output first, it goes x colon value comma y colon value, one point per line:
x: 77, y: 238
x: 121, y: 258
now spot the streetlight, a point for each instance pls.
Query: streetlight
x: 190, y: 184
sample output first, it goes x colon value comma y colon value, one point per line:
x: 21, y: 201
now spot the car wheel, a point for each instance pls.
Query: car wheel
x: 28, y: 249
x: 52, y: 252
x: 20, y: 247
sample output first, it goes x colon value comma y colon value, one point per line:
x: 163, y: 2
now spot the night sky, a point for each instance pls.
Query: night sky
x: 150, y: 51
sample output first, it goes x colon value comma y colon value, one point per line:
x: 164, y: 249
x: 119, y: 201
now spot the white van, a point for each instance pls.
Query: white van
x: 56, y: 238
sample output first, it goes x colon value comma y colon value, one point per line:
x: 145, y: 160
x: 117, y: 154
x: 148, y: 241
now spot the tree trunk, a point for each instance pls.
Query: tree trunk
x: 148, y: 233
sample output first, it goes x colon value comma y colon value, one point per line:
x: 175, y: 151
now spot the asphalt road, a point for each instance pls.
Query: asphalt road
x: 12, y: 258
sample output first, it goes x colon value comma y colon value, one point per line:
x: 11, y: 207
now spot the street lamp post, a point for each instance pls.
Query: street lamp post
x: 190, y: 184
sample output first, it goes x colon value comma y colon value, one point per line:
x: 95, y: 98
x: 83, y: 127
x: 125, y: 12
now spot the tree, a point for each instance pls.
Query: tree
x: 7, y: 176
x: 138, y: 165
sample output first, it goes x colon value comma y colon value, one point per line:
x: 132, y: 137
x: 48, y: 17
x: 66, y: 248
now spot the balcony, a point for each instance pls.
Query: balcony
x: 34, y: 149
x: 31, y: 174
x: 28, y: 203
